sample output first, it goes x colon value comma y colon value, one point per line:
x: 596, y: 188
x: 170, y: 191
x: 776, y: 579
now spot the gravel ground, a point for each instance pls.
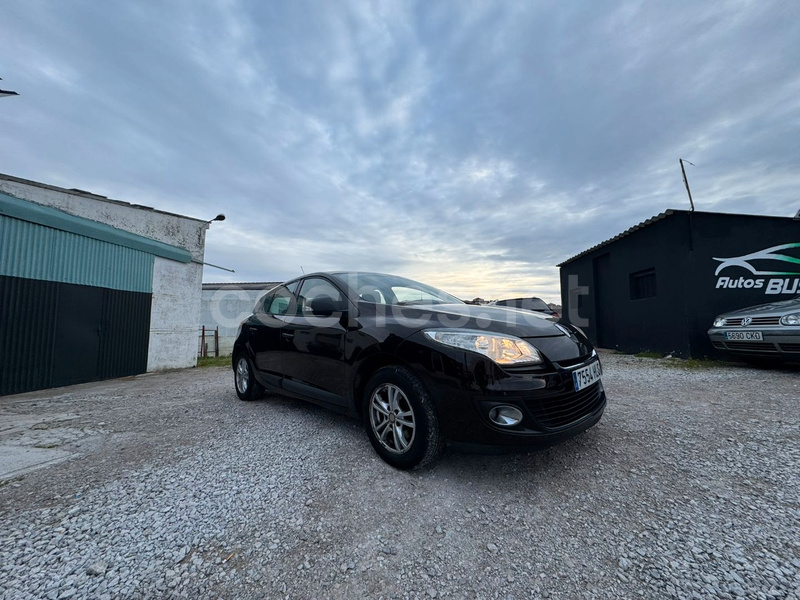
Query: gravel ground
x: 688, y: 488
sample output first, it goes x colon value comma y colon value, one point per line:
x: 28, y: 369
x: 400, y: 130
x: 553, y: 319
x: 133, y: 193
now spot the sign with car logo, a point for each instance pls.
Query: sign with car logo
x: 774, y: 270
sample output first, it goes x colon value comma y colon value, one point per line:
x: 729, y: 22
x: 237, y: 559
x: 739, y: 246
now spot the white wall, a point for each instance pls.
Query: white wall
x: 174, y: 314
x: 226, y: 309
x: 177, y: 286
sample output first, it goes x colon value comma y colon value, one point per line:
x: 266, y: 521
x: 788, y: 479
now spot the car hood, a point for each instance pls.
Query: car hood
x: 771, y: 309
x: 511, y: 321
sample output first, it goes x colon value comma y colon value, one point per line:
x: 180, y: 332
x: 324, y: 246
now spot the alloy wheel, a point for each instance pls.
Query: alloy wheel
x: 242, y: 375
x: 392, y: 418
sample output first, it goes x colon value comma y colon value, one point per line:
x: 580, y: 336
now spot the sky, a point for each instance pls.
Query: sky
x: 469, y: 145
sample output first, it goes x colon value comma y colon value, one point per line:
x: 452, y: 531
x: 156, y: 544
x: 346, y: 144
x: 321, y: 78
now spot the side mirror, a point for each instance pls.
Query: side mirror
x: 324, y: 306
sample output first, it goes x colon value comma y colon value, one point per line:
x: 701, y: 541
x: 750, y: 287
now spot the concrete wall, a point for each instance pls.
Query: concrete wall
x: 174, y: 315
x: 226, y: 308
x: 177, y: 286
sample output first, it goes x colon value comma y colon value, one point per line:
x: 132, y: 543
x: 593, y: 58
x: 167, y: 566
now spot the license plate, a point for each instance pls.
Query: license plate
x: 586, y: 376
x: 744, y: 335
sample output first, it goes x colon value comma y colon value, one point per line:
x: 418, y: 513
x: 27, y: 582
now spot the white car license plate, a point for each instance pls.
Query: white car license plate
x: 744, y: 336
x: 586, y: 376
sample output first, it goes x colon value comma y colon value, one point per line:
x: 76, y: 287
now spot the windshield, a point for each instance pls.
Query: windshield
x: 526, y: 303
x: 377, y: 288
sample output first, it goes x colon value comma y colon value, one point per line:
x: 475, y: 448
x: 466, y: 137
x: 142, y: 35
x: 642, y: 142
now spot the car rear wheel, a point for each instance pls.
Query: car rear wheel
x: 247, y: 388
x: 400, y: 419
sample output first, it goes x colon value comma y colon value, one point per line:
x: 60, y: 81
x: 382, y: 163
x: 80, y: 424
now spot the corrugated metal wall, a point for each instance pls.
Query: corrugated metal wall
x: 72, y: 308
x: 28, y: 311
x: 54, y: 334
x: 125, y: 334
x: 33, y: 251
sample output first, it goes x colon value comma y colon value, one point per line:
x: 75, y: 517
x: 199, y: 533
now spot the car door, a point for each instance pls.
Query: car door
x: 313, y: 359
x: 264, y: 332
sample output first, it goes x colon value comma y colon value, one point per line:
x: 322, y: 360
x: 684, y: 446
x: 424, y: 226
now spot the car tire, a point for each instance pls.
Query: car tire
x: 247, y: 388
x: 400, y: 419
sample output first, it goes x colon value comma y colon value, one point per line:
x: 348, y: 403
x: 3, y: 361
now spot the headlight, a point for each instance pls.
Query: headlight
x: 719, y: 322
x: 502, y: 349
x: 793, y: 319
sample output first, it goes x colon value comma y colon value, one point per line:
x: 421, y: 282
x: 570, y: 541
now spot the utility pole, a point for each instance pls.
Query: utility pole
x: 686, y: 182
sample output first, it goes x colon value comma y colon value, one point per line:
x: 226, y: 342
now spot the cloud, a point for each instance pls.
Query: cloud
x: 470, y: 145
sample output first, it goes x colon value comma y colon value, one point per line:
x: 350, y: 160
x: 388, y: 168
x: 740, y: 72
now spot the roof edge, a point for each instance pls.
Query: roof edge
x: 85, y: 194
x: 25, y: 210
x: 659, y: 217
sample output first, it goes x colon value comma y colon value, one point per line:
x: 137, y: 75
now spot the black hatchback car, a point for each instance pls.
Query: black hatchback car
x: 419, y: 366
x: 535, y: 304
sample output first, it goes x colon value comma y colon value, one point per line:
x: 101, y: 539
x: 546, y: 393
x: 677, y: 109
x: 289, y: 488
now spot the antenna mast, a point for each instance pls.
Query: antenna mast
x: 686, y: 181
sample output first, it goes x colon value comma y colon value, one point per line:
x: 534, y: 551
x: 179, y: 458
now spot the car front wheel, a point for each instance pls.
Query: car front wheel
x: 247, y: 388
x: 400, y: 419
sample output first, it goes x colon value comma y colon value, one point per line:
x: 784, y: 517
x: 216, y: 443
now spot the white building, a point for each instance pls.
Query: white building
x: 226, y: 305
x: 108, y: 256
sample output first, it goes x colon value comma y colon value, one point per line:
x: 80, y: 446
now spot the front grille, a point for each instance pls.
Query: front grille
x: 751, y: 346
x: 562, y: 409
x: 719, y: 345
x: 737, y: 322
x: 571, y: 362
x: 537, y: 369
x: 790, y: 347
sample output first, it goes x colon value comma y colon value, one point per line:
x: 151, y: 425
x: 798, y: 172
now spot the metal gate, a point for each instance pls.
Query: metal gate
x: 54, y: 334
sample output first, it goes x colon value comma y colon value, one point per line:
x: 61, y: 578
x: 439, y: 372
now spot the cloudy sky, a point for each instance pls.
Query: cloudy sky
x: 471, y: 145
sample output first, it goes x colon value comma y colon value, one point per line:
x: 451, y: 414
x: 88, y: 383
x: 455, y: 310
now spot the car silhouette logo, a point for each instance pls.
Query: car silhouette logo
x: 768, y: 254
x: 746, y: 321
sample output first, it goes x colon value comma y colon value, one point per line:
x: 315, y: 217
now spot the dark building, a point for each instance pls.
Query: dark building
x: 659, y: 285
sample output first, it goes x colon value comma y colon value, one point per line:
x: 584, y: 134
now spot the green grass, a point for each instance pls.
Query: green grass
x: 214, y: 361
x: 696, y: 364
x: 648, y: 355
x: 691, y: 364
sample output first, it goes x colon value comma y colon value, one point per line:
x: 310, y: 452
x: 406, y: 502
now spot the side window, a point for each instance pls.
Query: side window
x: 316, y: 287
x: 371, y: 295
x: 404, y: 294
x: 281, y: 302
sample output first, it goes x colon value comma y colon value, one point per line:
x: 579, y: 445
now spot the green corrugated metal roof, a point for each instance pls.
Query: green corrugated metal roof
x: 32, y: 251
x: 57, y: 219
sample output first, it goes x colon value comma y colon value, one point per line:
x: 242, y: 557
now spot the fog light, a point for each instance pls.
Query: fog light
x: 507, y: 416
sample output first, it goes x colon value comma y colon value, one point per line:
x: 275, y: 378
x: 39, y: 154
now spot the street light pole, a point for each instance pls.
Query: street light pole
x: 7, y: 92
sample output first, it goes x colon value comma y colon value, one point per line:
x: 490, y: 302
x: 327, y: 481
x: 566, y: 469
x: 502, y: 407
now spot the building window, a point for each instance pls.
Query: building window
x: 643, y: 284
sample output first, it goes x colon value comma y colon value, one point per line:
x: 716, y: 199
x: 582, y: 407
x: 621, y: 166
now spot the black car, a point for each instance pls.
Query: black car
x: 419, y: 366
x: 533, y: 303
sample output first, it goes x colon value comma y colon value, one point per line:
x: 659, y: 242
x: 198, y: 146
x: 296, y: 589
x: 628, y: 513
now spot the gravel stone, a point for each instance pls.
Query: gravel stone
x: 98, y: 568
x: 687, y: 488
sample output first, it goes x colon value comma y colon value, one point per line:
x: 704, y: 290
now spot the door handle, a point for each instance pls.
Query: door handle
x: 253, y: 330
x: 287, y: 335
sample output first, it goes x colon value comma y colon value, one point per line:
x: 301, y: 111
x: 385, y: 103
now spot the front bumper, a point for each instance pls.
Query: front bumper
x: 780, y: 342
x: 552, y: 410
